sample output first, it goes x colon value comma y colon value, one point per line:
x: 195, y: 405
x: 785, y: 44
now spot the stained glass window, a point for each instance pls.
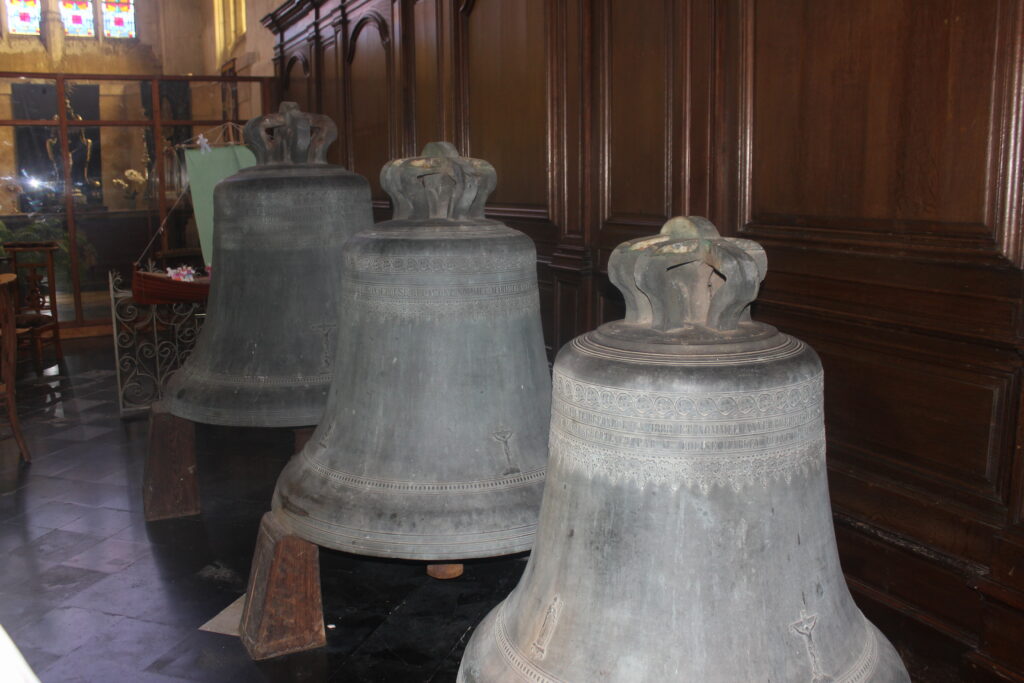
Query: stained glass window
x: 119, y: 18
x: 77, y: 16
x: 23, y: 17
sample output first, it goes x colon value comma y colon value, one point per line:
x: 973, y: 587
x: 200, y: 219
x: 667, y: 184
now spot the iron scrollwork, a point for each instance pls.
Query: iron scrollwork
x: 150, y: 343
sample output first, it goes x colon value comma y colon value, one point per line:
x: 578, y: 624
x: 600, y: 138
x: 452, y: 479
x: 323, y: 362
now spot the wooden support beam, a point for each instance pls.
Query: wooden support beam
x: 170, y: 486
x: 283, y: 610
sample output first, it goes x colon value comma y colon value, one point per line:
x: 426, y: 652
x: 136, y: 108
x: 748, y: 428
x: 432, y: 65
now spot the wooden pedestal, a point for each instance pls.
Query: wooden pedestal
x: 170, y: 488
x: 170, y: 484
x: 444, y: 571
x: 283, y: 611
x: 302, y: 436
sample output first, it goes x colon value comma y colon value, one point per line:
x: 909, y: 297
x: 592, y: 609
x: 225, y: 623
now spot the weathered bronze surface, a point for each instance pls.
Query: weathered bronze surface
x: 434, y: 441
x: 685, y: 533
x: 265, y: 355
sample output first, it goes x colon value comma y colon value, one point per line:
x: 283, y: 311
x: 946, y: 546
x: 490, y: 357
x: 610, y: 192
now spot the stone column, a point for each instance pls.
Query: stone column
x: 51, y: 30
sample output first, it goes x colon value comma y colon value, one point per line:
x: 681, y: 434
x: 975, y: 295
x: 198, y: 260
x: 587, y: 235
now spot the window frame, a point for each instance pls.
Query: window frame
x: 6, y: 14
x: 92, y: 8
x: 101, y: 7
x: 98, y: 12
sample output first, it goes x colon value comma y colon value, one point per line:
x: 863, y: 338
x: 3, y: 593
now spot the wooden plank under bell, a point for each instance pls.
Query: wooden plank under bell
x: 170, y: 487
x: 283, y: 610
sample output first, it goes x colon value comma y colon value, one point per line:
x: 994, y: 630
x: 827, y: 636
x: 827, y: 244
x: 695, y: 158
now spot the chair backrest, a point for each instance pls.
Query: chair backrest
x: 8, y: 332
x: 33, y: 263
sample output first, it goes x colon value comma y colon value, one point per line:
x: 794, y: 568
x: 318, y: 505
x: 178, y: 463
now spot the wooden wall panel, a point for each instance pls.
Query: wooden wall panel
x: 958, y: 439
x: 887, y: 160
x: 332, y: 56
x: 610, y: 304
x: 546, y: 284
x: 427, y: 98
x: 869, y: 157
x: 636, y: 122
x: 637, y: 101
x: 369, y: 106
x: 910, y: 578
x: 503, y: 64
x: 934, y: 422
x: 637, y: 97
x: 297, y: 86
x: 874, y: 147
x: 919, y: 155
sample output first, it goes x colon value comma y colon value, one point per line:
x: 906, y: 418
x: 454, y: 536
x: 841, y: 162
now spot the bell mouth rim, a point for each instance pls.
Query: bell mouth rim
x: 690, y: 340
x: 298, y: 169
x: 388, y: 544
x: 391, y: 225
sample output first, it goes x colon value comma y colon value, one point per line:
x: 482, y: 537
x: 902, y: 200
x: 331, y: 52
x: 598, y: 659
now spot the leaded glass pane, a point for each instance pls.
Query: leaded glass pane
x: 77, y: 16
x: 119, y: 19
x: 23, y: 17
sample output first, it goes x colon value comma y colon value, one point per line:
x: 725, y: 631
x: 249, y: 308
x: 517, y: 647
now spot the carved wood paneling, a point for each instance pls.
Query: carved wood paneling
x: 910, y: 577
x: 933, y: 414
x: 369, y: 106
x: 503, y: 57
x: 546, y: 284
x: 969, y: 301
x: 903, y: 172
x: 918, y: 158
x: 296, y: 83
x: 873, y: 147
x: 635, y: 119
x: 570, y: 301
x: 428, y: 101
x: 652, y: 115
x: 872, y: 160
x: 875, y: 157
x: 332, y: 54
x: 610, y: 304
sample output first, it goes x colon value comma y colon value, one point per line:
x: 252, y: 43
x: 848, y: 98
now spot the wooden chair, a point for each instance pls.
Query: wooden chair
x: 9, y: 357
x: 37, y: 299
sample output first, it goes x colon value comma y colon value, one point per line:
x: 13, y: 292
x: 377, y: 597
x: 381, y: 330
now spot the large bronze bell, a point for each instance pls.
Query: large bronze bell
x: 434, y: 442
x: 685, y: 533
x: 265, y: 355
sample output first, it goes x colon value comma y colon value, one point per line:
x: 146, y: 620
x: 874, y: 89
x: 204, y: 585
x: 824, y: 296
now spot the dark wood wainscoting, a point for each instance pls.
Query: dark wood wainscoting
x: 874, y: 147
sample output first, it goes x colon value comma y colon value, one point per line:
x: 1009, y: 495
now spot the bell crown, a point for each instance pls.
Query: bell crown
x: 290, y: 136
x: 438, y: 184
x: 688, y: 275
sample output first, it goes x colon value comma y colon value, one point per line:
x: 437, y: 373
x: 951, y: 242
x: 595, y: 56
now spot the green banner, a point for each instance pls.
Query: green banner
x: 206, y: 168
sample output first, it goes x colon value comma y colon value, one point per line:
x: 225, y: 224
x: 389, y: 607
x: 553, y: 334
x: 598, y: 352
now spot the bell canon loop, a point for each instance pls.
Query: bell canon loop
x: 685, y: 532
x: 265, y: 355
x: 434, y: 442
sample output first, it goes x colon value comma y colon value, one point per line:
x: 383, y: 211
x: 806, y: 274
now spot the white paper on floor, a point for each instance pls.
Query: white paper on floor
x: 228, y: 621
x: 13, y: 667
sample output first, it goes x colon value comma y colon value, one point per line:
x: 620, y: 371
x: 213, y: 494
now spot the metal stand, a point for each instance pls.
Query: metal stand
x: 150, y: 344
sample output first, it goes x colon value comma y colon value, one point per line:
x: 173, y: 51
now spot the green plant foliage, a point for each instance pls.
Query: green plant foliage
x: 52, y: 230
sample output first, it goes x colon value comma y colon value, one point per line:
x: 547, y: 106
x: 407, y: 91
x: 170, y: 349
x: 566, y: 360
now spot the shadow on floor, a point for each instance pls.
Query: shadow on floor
x: 91, y: 592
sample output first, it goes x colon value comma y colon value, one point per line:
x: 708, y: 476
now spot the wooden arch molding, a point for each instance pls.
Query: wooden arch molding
x: 302, y: 60
x: 378, y: 22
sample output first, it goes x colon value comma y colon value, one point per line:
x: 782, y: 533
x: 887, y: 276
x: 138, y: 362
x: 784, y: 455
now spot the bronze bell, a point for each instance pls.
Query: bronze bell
x: 434, y: 441
x: 265, y: 355
x: 685, y: 532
